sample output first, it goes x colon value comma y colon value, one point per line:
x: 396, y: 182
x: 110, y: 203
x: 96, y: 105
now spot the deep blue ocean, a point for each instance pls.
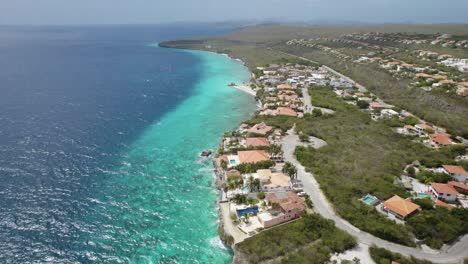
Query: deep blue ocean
x: 99, y: 131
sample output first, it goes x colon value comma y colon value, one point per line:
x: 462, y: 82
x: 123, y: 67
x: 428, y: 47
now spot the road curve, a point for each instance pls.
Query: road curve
x: 452, y: 254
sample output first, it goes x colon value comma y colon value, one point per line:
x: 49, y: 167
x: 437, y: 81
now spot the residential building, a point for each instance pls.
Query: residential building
x: 444, y: 192
x: 290, y: 206
x: 261, y: 129
x: 273, y: 181
x: 400, y: 207
x: 285, y: 111
x: 441, y: 139
x: 457, y: 172
x: 253, y: 156
x: 256, y: 142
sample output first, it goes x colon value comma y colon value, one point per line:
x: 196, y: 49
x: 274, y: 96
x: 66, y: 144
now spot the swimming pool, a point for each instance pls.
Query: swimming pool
x: 423, y: 195
x: 241, y: 212
x: 370, y: 200
x: 245, y: 189
x: 232, y: 162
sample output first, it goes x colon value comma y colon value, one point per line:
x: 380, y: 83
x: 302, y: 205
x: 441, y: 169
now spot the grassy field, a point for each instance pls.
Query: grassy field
x: 311, y: 239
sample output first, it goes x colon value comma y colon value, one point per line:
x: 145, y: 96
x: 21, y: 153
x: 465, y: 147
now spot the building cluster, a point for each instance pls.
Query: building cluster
x: 426, y: 77
x: 250, y: 167
x: 443, y: 40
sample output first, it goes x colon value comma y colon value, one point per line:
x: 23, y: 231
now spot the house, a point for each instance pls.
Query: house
x: 261, y: 129
x: 253, y: 156
x: 441, y: 139
x: 444, y: 192
x: 284, y: 87
x: 376, y: 106
x: 462, y: 89
x: 273, y: 182
x: 285, y: 111
x: 423, y: 128
x: 460, y: 187
x: 289, y: 207
x: 423, y: 75
x: 457, y: 172
x: 400, y: 207
x: 257, y: 142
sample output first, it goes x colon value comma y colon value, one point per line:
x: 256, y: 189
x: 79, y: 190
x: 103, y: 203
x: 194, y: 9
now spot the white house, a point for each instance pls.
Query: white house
x: 444, y: 192
x: 457, y: 172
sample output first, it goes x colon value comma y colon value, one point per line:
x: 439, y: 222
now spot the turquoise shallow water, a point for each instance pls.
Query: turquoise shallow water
x: 163, y: 202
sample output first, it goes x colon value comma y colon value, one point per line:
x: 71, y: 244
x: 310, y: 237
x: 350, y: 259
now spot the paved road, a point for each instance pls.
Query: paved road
x: 453, y: 254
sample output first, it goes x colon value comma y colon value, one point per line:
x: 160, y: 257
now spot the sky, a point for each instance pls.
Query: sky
x: 60, y: 12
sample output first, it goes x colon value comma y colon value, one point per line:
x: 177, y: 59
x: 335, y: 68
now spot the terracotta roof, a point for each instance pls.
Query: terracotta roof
x: 252, y: 156
x: 261, y: 128
x: 286, y: 111
x: 292, y: 205
x: 441, y: 138
x: 423, y: 75
x: 453, y: 169
x: 257, y: 141
x: 443, y: 188
x: 463, y: 84
x: 284, y: 86
x: 400, y: 206
x: 458, y: 185
x: 443, y: 204
x: 440, y: 77
x: 376, y: 105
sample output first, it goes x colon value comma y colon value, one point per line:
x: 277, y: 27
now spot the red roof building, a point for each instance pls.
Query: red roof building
x: 257, y: 142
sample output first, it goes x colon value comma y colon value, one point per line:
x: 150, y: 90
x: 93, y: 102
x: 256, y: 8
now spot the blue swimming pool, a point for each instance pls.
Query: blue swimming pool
x: 241, y: 212
x: 370, y: 200
x: 423, y: 195
x: 232, y: 162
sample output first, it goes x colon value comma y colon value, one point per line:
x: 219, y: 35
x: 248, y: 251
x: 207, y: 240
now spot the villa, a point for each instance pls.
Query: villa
x: 457, y: 172
x: 290, y: 206
x: 261, y: 129
x: 444, y: 192
x: 400, y: 207
x: 284, y: 87
x: 257, y: 142
x: 270, y: 181
x: 441, y: 139
x: 376, y: 106
x: 252, y: 156
x: 285, y: 111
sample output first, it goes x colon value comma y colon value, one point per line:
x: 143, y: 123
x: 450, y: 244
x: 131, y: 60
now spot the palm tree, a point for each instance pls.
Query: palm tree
x: 254, y: 184
x: 290, y: 170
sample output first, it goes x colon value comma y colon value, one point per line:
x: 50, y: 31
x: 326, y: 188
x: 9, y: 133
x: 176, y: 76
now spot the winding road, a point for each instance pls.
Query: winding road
x: 452, y: 254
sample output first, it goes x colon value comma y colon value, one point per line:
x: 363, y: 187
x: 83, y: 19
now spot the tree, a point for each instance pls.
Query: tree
x: 224, y: 164
x: 317, y: 112
x: 261, y: 195
x: 254, y: 184
x: 290, y: 170
x: 362, y: 104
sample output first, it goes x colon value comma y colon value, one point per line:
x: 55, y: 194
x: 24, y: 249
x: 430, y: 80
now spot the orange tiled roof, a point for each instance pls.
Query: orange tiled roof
x: 400, y: 206
x: 453, y: 169
x: 443, y: 188
x: 443, y: 204
x: 286, y: 111
x: 441, y: 138
x: 458, y: 185
x: 257, y: 142
x: 284, y: 86
x: 252, y: 156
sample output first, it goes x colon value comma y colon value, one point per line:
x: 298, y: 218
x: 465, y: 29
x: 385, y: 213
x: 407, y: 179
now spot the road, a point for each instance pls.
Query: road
x: 453, y: 254
x: 308, y: 103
